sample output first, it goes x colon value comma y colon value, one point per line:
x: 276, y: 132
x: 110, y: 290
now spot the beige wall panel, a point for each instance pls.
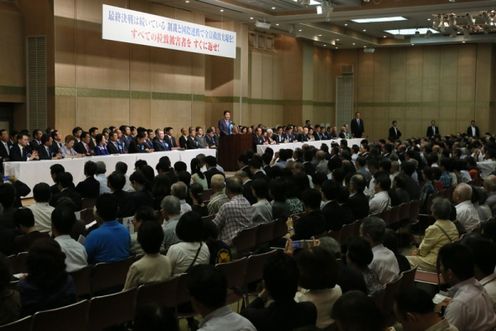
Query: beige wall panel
x: 101, y: 112
x: 267, y: 76
x: 65, y: 114
x: 12, y: 59
x: 140, y: 113
x: 171, y: 113
x: 256, y: 74
x: 413, y: 74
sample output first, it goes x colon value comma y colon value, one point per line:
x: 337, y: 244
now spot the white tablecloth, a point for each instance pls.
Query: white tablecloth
x: 261, y: 148
x: 33, y: 172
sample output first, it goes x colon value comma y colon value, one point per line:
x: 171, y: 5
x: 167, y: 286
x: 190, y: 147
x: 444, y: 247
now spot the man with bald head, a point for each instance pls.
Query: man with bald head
x: 218, y: 197
x: 466, y: 213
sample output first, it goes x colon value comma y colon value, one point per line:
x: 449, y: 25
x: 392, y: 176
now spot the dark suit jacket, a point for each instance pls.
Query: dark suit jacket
x: 302, y: 137
x: 191, y: 143
x: 337, y: 215
x: 183, y: 142
x: 89, y: 188
x: 211, y: 141
x: 224, y: 127
x: 283, y: 316
x: 394, y: 135
x: 247, y: 193
x: 134, y: 147
x: 359, y: 205
x: 477, y: 132
x: 171, y: 141
x: 161, y: 145
x: 23, y: 242
x: 43, y: 154
x: 4, y: 154
x: 16, y: 155
x: 431, y: 133
x: 142, y: 198
x: 257, y: 140
x: 357, y: 129
x: 311, y: 224
x: 71, y: 194
x: 79, y: 147
x: 126, y: 204
x: 112, y: 149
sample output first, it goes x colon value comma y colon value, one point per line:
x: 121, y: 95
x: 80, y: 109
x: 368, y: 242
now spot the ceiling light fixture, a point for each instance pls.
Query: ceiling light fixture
x: 410, y: 32
x: 379, y: 19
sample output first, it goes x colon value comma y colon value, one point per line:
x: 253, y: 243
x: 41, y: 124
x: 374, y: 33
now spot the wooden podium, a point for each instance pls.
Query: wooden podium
x: 231, y: 147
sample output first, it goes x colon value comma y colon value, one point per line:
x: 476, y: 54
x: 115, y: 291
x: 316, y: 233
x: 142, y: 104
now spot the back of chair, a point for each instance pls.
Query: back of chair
x: 81, y: 280
x: 18, y: 263
x: 394, y: 215
x: 280, y: 228
x: 208, y: 218
x: 235, y: 272
x: 255, y: 267
x: 414, y: 210
x: 408, y: 278
x: 390, y: 293
x: 404, y: 212
x: 112, y: 309
x: 346, y: 232
x: 245, y: 241
x: 207, y: 194
x: 182, y: 289
x: 265, y: 233
x: 386, y: 216
x: 87, y: 215
x: 110, y: 277
x: 163, y: 294
x: 87, y: 203
x: 23, y: 324
x: 72, y: 317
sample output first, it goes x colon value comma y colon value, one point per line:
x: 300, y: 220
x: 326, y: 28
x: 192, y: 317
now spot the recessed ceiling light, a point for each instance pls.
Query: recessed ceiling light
x: 222, y: 10
x: 354, y: 44
x: 338, y: 39
x: 187, y: 1
x: 379, y: 19
x: 277, y: 24
x: 299, y: 30
x: 319, y: 35
x: 273, y: 8
x: 336, y: 47
x: 410, y: 32
x: 429, y: 19
x: 364, y: 46
x: 251, y: 17
x: 464, y: 42
x: 384, y: 36
x: 325, y: 45
x: 364, y: 30
x: 413, y: 44
x: 345, y: 24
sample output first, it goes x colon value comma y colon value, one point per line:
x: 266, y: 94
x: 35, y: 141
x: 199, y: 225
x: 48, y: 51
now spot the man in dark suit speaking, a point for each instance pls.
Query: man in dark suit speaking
x: 394, y: 132
x: 432, y: 130
x: 357, y: 126
x: 473, y: 130
x: 225, y: 125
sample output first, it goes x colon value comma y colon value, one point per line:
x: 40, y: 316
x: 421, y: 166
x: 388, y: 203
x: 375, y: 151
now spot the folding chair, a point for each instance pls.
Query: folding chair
x: 404, y: 212
x: 81, y: 280
x: 163, y: 294
x: 394, y: 216
x: 87, y: 215
x: 245, y: 241
x: 111, y: 309
x: 414, y: 211
x: 235, y: 273
x: 72, y: 317
x: 254, y: 270
x: 390, y: 293
x: 23, y: 324
x: 408, y: 278
x: 109, y: 277
x: 265, y: 233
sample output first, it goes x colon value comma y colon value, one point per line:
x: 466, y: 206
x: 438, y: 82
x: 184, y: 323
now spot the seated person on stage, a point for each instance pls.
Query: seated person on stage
x: 110, y: 242
x: 152, y: 267
x: 115, y: 146
x: 41, y: 209
x: 25, y: 224
x: 84, y: 147
x: 442, y: 232
x: 101, y: 145
x: 138, y: 145
x: 21, y: 151
x: 281, y: 278
x: 159, y: 143
x: 63, y: 220
x: 90, y: 187
x: 470, y: 307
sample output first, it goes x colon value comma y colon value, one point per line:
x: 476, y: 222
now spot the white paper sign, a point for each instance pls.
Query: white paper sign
x: 130, y: 26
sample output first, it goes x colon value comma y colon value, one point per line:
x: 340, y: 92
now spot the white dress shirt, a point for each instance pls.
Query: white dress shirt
x: 102, y: 179
x: 42, y: 213
x: 384, y: 264
x: 75, y: 254
x: 489, y: 284
x: 471, y: 309
x: 225, y: 319
x: 380, y: 202
x: 185, y: 207
x: 467, y: 215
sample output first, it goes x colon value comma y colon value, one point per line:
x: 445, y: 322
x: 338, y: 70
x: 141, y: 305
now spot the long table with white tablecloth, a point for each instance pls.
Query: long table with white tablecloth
x: 33, y: 172
x: 316, y: 143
